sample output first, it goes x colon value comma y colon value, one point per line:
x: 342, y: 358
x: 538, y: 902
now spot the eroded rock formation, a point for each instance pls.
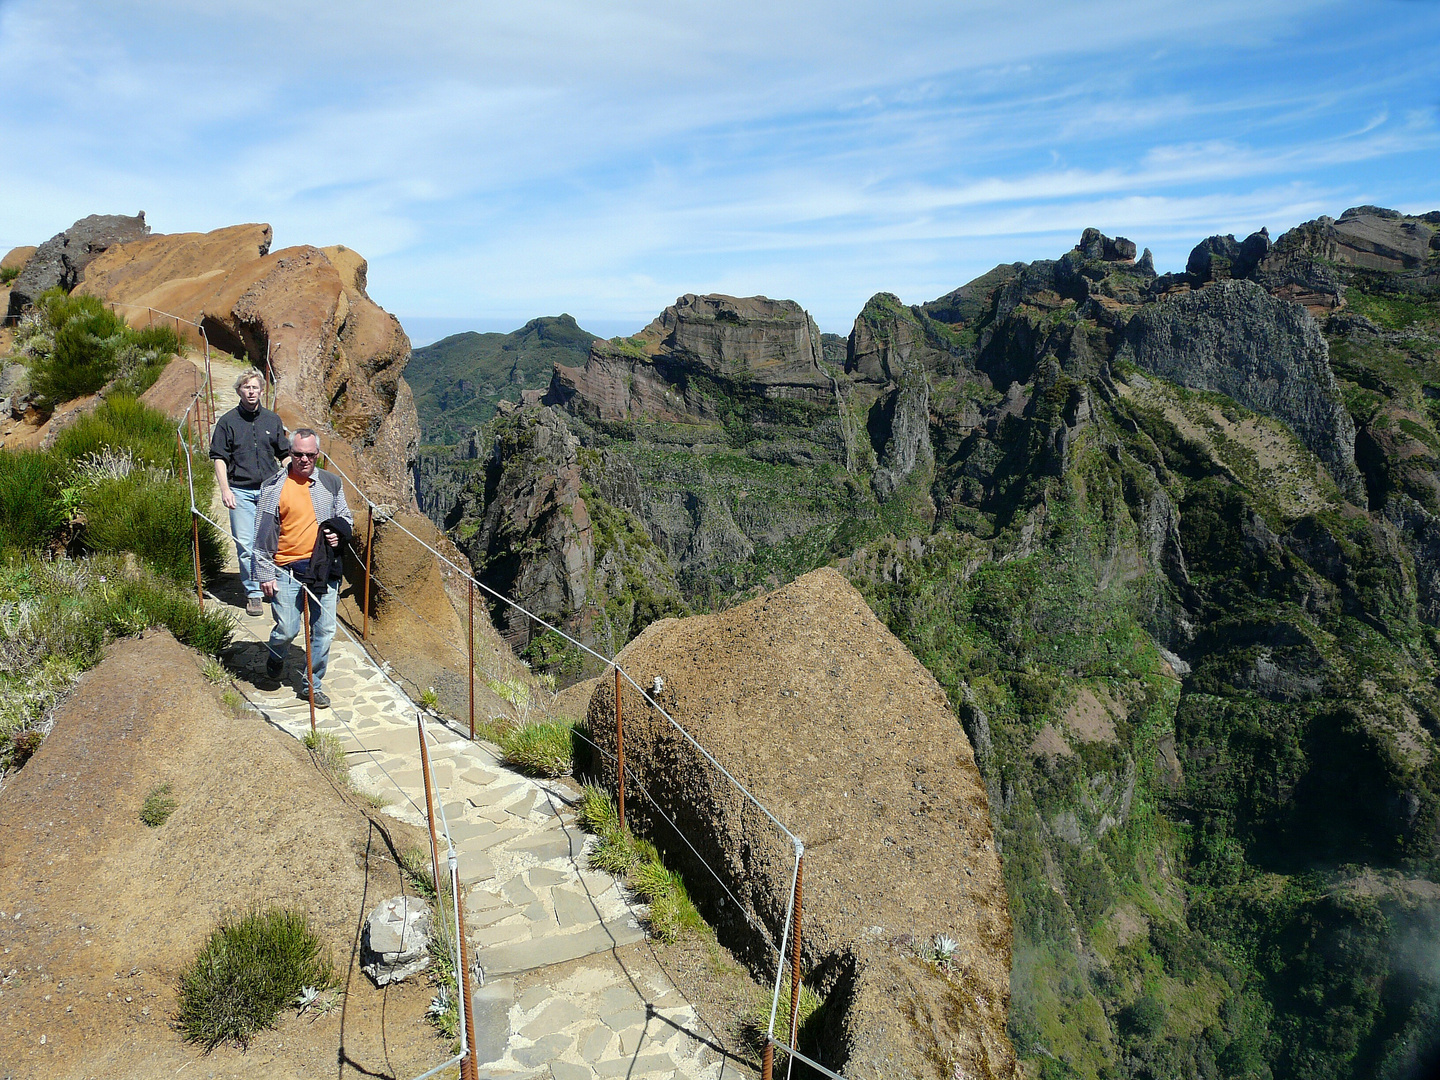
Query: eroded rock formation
x: 333, y: 351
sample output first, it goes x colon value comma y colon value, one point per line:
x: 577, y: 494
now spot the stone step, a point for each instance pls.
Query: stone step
x: 517, y: 957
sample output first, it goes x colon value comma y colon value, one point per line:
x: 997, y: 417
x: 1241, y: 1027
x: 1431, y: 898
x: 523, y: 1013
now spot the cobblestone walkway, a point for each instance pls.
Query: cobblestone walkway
x: 531, y: 900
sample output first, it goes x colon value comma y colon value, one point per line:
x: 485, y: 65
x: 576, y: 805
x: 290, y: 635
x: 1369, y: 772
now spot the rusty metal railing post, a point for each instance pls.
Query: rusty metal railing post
x: 309, y: 664
x: 767, y: 1061
x: 795, y: 953
x: 429, y: 801
x: 620, y: 748
x: 369, y: 547
x: 470, y: 652
x: 469, y: 1067
x: 195, y: 545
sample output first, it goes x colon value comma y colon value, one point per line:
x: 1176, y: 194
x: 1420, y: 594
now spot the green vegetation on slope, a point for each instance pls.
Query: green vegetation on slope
x: 75, y: 345
x: 458, y: 380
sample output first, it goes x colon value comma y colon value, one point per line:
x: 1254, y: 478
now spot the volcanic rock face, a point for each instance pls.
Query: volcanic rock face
x: 1278, y: 366
x: 830, y: 722
x: 333, y: 351
x: 61, y: 260
x: 772, y: 344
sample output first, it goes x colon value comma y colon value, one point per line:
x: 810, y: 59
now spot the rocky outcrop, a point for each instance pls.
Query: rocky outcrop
x: 621, y: 382
x: 1312, y: 263
x: 972, y: 300
x: 1220, y: 258
x: 1266, y: 354
x: 534, y: 543
x: 666, y: 373
x: 772, y: 346
x: 902, y: 420
x: 890, y: 339
x: 553, y: 544
x: 331, y: 349
x: 61, y: 260
x: 811, y: 704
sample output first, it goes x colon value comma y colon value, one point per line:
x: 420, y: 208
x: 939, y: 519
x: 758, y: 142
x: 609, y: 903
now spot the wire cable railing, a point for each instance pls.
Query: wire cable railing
x: 192, y: 423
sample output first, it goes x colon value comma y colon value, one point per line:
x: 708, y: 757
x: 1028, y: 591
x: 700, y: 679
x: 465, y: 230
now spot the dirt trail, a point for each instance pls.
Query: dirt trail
x: 101, y: 913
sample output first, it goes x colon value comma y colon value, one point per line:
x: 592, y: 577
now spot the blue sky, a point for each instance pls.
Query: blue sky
x: 495, y: 162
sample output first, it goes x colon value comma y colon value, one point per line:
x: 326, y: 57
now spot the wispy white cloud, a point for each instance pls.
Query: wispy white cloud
x: 600, y: 158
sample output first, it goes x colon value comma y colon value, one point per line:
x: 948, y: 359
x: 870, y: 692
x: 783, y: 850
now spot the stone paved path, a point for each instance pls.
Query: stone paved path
x: 531, y: 900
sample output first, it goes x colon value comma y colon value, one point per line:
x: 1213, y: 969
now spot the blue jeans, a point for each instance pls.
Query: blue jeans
x: 289, y: 622
x: 242, y: 528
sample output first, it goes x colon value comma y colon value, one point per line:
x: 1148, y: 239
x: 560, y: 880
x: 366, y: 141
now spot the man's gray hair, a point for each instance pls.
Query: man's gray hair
x: 246, y: 376
x: 304, y: 433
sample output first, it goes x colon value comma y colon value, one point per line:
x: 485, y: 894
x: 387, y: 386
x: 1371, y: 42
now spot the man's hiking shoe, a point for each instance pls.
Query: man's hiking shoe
x: 253, y: 607
x: 274, y: 669
x: 321, y: 700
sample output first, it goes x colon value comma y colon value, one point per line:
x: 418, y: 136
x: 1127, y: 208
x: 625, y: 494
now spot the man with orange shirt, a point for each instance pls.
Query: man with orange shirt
x: 301, y: 513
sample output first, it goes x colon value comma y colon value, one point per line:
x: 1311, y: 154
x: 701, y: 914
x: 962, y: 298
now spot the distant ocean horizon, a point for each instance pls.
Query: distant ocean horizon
x: 427, y: 329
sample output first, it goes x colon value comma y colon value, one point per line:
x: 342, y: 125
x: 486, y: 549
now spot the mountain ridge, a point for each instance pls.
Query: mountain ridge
x: 1169, y: 543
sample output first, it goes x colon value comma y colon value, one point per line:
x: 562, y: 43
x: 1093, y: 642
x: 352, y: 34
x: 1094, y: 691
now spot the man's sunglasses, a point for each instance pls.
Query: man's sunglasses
x: 302, y: 453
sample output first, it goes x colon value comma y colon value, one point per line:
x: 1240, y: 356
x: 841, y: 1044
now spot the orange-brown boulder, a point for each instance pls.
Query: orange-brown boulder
x: 332, y: 350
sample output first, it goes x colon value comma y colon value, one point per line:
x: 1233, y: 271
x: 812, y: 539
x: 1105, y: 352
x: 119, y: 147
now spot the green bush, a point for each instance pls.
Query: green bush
x: 672, y: 912
x: 30, y: 510
x: 81, y: 345
x: 122, y: 421
x: 542, y: 749
x: 83, y: 356
x: 9, y: 274
x: 159, y: 804
x: 149, y: 514
x: 247, y: 972
x: 55, y: 617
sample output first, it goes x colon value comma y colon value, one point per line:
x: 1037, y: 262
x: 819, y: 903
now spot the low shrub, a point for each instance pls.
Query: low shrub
x: 148, y: 513
x: 159, y: 804
x: 415, y: 865
x: 328, y: 752
x: 123, y: 421
x: 756, y: 1025
x: 56, y: 616
x: 9, y: 274
x: 540, y: 749
x: 30, y: 509
x: 250, y: 969
x: 77, y: 346
x: 81, y: 357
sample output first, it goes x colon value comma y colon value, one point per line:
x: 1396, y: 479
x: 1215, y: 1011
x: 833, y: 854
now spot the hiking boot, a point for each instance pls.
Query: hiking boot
x: 274, y: 669
x: 321, y: 700
x: 254, y: 608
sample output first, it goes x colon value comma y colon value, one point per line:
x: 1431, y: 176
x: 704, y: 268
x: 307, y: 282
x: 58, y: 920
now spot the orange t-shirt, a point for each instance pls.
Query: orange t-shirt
x: 298, y: 527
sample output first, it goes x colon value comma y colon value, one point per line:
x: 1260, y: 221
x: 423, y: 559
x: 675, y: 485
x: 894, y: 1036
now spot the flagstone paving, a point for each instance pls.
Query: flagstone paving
x: 531, y: 901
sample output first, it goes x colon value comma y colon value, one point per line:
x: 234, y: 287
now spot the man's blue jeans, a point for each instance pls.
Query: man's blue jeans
x: 242, y: 528
x: 289, y: 621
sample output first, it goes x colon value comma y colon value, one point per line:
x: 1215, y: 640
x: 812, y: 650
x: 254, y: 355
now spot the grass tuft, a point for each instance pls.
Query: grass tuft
x: 540, y: 749
x: 756, y: 1023
x: 415, y: 865
x: 328, y: 751
x: 159, y: 804
x: 672, y: 912
x: 249, y: 970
